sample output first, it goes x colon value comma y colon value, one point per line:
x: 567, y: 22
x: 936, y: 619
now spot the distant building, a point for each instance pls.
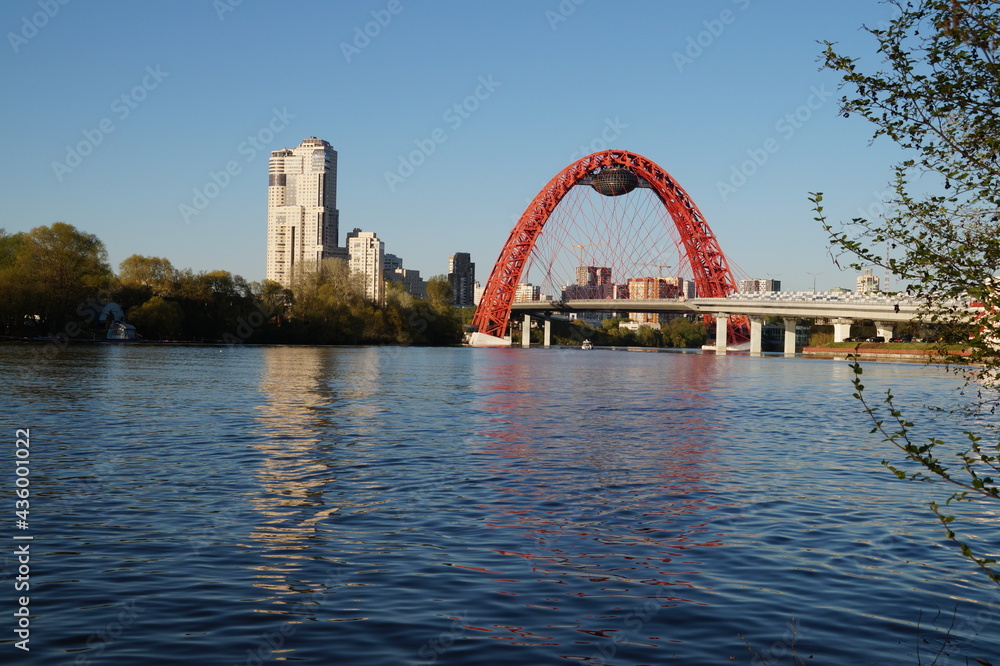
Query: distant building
x: 302, y: 215
x: 867, y: 282
x: 758, y: 285
x: 477, y: 293
x: 591, y: 276
x: 367, y: 257
x: 392, y: 262
x: 651, y: 288
x: 527, y: 292
x: 462, y: 277
x: 412, y: 283
x: 592, y: 282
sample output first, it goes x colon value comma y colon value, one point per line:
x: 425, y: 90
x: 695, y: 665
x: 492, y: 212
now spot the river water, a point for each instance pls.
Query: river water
x: 250, y: 505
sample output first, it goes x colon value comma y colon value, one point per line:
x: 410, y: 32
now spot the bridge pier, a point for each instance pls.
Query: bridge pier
x: 526, y: 332
x: 756, y: 335
x: 842, y: 329
x: 883, y: 329
x: 548, y: 333
x: 721, y: 331
x: 790, y: 325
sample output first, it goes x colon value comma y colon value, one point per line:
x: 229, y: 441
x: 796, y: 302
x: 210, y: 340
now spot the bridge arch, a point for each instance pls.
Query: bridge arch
x: 710, y: 269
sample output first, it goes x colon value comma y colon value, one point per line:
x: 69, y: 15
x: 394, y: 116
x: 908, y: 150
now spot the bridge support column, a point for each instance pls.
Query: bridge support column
x: 884, y: 329
x: 790, y: 336
x: 842, y: 329
x: 721, y: 333
x: 548, y: 332
x: 526, y: 332
x: 756, y: 330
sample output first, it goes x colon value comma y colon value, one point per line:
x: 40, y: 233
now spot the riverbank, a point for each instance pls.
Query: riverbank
x: 883, y: 350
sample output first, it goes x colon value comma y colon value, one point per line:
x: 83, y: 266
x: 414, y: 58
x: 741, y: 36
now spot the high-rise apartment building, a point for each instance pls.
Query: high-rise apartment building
x: 867, y: 282
x: 367, y: 257
x: 462, y: 276
x: 302, y: 215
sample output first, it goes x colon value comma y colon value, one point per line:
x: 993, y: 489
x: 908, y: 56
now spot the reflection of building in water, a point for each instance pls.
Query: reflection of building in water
x: 290, y: 500
x: 303, y: 405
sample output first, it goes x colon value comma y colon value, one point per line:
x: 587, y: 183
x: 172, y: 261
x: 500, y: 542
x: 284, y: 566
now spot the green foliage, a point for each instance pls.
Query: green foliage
x: 153, y: 273
x: 157, y: 317
x: 48, y: 274
x: 936, y: 96
x: 678, y: 333
x: 977, y: 463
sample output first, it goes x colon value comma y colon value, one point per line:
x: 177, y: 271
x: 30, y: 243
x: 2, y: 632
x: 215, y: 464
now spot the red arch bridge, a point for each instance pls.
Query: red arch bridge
x: 610, y: 219
x: 595, y: 233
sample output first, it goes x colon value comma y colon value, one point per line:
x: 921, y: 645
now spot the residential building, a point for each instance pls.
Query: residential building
x: 462, y: 277
x: 302, y: 215
x: 412, y: 283
x: 867, y: 282
x: 591, y: 282
x: 527, y: 292
x: 367, y: 257
x: 392, y: 262
x: 651, y: 288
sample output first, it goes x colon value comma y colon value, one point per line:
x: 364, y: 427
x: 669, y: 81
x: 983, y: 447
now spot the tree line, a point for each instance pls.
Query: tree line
x: 52, y: 276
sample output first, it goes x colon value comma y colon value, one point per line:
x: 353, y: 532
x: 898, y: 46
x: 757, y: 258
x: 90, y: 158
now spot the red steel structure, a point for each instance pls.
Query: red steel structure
x: 709, y: 266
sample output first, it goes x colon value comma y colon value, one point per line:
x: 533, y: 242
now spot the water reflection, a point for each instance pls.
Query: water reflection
x: 603, y: 495
x: 293, y: 474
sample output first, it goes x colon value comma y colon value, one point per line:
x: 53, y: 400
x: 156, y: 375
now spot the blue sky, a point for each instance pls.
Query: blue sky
x: 164, y: 96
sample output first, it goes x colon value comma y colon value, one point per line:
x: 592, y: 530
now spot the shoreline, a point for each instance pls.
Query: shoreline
x: 871, y: 350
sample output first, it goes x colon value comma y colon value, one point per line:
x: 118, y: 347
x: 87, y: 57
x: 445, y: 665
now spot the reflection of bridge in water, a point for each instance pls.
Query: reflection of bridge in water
x: 840, y: 309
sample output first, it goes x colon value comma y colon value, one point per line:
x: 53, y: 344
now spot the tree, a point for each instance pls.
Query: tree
x: 155, y: 273
x: 937, y: 96
x: 62, y: 268
x: 158, y: 317
x: 14, y: 298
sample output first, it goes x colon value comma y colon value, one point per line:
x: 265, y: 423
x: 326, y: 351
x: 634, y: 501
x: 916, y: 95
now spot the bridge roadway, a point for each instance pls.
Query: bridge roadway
x: 841, y: 310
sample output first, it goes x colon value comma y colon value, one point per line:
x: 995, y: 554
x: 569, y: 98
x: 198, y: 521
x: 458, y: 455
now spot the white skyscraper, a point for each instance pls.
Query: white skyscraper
x: 867, y: 282
x: 367, y: 257
x: 302, y: 215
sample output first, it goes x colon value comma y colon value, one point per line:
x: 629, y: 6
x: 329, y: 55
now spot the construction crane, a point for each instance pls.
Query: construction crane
x: 659, y: 268
x: 583, y: 246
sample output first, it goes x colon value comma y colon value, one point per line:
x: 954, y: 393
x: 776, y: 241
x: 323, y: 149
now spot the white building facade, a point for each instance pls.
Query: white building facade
x: 367, y: 258
x: 302, y: 215
x: 867, y: 282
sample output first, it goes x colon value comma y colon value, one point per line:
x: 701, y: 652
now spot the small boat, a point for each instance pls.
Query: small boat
x: 587, y: 344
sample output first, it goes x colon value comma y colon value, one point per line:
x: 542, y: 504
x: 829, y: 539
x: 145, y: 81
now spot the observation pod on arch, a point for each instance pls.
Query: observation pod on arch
x: 612, y: 173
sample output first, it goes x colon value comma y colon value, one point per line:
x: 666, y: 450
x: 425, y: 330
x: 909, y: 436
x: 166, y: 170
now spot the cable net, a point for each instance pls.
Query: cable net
x: 597, y: 246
